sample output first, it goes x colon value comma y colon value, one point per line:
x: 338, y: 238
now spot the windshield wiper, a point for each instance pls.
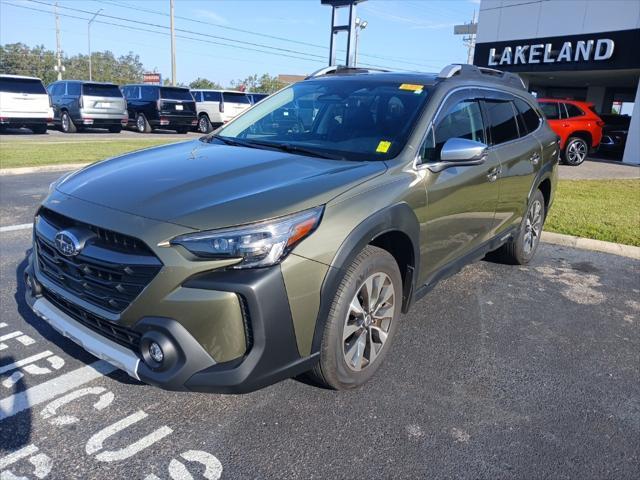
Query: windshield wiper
x: 290, y: 148
x: 231, y: 141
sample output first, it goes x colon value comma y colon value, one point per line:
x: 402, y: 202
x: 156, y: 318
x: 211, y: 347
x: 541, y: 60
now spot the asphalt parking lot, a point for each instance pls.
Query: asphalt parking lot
x: 93, y: 134
x: 500, y: 372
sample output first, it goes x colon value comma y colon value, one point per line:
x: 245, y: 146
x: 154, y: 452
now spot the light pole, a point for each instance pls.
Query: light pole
x: 360, y: 25
x: 89, y: 38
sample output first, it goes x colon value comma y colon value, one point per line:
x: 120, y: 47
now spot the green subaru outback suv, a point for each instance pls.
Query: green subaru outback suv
x: 291, y: 240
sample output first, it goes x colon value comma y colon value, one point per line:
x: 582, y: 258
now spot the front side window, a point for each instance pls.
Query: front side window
x: 573, y: 111
x: 352, y: 118
x: 550, y: 110
x: 502, y: 121
x: 148, y: 94
x: 463, y: 120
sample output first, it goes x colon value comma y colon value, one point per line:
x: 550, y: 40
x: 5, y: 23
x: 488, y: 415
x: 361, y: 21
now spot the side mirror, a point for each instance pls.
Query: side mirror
x: 459, y: 152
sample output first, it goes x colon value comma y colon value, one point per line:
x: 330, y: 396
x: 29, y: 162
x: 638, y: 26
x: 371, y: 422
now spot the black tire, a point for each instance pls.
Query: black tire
x: 66, y: 124
x: 182, y: 130
x: 332, y: 370
x: 575, y: 151
x: 115, y: 129
x: 204, y: 125
x: 142, y: 125
x: 39, y: 129
x: 519, y: 250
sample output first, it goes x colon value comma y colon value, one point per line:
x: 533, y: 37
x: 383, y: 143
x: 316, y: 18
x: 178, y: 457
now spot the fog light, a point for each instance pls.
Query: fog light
x: 155, y: 352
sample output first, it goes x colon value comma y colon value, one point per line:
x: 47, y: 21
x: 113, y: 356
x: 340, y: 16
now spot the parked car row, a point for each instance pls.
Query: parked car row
x: 72, y: 105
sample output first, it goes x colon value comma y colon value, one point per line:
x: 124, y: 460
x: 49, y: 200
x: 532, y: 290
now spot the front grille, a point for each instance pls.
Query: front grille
x: 110, y: 271
x: 119, y: 334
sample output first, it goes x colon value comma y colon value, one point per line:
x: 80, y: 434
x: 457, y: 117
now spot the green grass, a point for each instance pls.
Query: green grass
x: 35, y: 153
x: 606, y: 210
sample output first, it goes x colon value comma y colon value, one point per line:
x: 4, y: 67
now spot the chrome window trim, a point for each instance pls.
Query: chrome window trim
x: 416, y: 160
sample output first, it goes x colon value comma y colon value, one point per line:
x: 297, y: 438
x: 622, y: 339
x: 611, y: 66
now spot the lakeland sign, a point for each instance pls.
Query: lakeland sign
x: 598, y: 51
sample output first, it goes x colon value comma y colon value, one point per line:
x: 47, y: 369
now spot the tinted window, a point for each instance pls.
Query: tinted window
x: 529, y: 115
x: 502, y: 121
x: 57, y: 89
x: 212, y: 96
x: 100, y: 90
x: 573, y: 111
x: 550, y: 110
x: 175, y: 93
x: 197, y: 95
x: 21, y: 85
x: 148, y: 93
x: 73, y: 89
x: 463, y: 120
x: 233, y: 97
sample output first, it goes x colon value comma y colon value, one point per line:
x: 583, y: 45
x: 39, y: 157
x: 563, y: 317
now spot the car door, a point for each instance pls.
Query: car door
x: 461, y: 199
x: 519, y: 154
x: 557, y: 118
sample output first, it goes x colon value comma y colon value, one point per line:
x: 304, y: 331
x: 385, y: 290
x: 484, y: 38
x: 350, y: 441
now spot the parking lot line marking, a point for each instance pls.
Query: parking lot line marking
x: 25, y: 361
x: 50, y: 389
x: 13, y: 228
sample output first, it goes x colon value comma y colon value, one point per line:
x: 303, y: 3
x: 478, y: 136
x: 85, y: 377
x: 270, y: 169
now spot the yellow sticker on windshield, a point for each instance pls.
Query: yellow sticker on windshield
x: 412, y: 87
x: 383, y: 146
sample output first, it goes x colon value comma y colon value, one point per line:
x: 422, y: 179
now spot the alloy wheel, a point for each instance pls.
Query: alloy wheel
x: 577, y: 151
x: 65, y: 122
x: 140, y: 123
x: 368, y: 321
x: 202, y: 125
x: 533, y: 227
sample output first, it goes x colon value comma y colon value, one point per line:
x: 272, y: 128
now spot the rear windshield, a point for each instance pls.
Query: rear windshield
x: 21, y: 85
x: 99, y: 90
x: 175, y: 93
x: 236, y: 97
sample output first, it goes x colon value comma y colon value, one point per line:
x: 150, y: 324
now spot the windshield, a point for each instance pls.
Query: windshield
x: 351, y: 118
x: 21, y: 85
x: 101, y: 90
x: 175, y: 93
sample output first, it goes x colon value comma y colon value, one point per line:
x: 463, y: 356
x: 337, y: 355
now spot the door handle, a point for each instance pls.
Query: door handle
x: 494, y: 173
x: 535, y: 158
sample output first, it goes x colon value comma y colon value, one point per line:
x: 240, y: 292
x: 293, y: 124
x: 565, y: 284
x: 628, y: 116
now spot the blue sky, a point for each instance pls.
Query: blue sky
x: 411, y: 35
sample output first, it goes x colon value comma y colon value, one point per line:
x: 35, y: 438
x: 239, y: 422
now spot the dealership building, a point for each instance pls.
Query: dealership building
x: 577, y: 49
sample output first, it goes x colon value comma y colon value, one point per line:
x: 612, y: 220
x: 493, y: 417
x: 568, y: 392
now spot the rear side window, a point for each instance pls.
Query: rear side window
x: 197, y: 95
x: 463, y: 120
x: 73, y: 89
x: 148, y: 93
x: 573, y: 111
x: 502, y: 121
x: 236, y: 97
x: 57, y: 89
x: 99, y: 90
x: 551, y: 110
x: 212, y: 96
x: 22, y: 85
x: 528, y: 114
x: 175, y: 93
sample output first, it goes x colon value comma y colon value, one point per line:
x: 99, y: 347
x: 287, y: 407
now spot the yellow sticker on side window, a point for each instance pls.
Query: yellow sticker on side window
x: 412, y: 87
x: 383, y: 146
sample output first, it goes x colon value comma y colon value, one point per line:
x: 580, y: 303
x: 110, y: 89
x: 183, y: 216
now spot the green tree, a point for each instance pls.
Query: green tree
x: 263, y: 84
x: 205, y: 83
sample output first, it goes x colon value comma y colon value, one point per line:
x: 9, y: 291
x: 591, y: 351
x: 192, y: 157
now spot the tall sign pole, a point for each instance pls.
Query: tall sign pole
x: 349, y: 28
x: 469, y: 30
x: 58, y: 52
x: 173, y: 47
x: 89, y: 38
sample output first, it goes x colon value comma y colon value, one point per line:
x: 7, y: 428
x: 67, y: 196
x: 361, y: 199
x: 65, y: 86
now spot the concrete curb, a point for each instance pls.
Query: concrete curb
x: 62, y: 167
x: 628, y: 251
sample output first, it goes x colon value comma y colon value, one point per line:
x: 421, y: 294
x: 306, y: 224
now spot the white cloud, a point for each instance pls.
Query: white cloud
x: 211, y: 15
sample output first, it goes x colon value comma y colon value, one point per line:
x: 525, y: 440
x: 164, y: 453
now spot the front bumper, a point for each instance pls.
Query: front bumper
x: 271, y: 357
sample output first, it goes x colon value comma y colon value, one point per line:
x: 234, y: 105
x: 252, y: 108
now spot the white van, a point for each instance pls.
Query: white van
x: 24, y: 102
x: 216, y: 107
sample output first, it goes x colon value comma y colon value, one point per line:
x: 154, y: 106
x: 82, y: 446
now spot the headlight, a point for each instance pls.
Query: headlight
x: 258, y: 244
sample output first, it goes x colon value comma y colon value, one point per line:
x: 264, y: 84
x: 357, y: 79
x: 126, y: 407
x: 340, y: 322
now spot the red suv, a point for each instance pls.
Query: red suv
x: 577, y: 124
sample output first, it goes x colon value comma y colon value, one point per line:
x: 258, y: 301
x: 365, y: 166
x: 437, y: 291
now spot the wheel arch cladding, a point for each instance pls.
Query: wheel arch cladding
x: 395, y: 229
x: 545, y: 188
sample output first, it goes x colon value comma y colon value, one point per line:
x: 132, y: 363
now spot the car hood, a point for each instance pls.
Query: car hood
x: 206, y: 186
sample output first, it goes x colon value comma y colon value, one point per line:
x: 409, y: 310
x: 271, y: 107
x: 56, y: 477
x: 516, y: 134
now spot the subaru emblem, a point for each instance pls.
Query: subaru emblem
x: 67, y: 243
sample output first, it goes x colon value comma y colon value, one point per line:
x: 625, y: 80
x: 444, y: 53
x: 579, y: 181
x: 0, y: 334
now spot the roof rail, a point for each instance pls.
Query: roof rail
x: 472, y: 71
x: 336, y: 69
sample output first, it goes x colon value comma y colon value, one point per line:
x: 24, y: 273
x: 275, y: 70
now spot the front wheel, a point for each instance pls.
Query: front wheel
x: 575, y: 151
x: 362, y: 321
x: 521, y: 249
